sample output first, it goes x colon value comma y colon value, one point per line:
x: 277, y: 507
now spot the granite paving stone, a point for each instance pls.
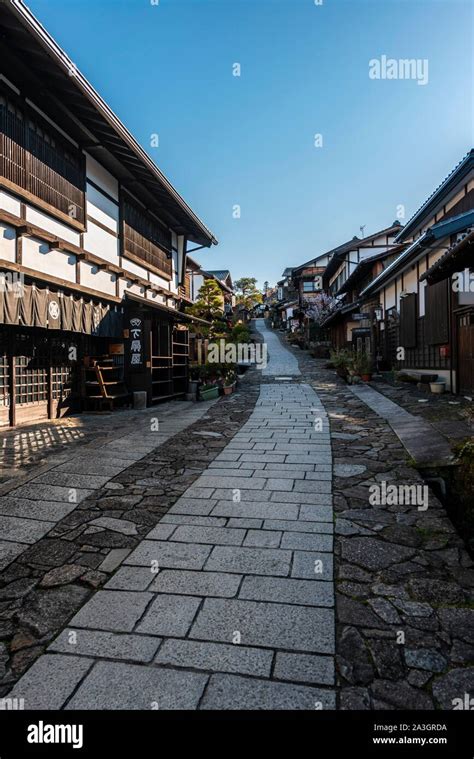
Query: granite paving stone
x: 287, y: 590
x: 215, y: 657
x: 212, y: 535
x: 23, y: 530
x: 106, y: 645
x: 249, y: 560
x: 116, y: 685
x: 169, y: 554
x: 50, y: 681
x: 218, y: 584
x: 271, y: 625
x: 304, y: 668
x: 169, y: 615
x: 112, y: 610
x: 314, y: 565
x: 235, y: 692
x: 307, y: 542
x: 131, y: 578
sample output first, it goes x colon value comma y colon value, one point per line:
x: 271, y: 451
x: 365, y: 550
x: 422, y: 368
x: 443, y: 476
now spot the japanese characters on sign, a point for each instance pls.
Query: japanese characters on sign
x: 136, y: 352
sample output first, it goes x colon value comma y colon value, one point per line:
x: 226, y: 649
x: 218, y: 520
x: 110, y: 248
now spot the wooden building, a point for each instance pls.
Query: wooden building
x: 224, y: 281
x: 353, y: 321
x: 421, y: 311
x: 93, y: 242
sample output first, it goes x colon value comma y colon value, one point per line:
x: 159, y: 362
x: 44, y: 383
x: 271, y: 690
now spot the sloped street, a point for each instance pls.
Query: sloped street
x: 240, y: 596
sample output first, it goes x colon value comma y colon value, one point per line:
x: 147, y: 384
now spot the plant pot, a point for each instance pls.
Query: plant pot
x: 209, y: 394
x: 228, y: 389
x: 366, y: 377
x: 437, y: 387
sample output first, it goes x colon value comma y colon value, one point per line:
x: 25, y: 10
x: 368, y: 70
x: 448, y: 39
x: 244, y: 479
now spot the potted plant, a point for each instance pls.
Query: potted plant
x: 208, y: 392
x: 228, y: 384
x: 341, y: 360
x: 363, y: 366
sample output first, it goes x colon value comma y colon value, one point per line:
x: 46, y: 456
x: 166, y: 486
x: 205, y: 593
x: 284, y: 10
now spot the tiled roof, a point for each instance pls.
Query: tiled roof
x: 462, y: 167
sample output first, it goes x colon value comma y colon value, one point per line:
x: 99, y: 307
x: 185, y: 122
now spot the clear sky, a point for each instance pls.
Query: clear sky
x: 167, y: 69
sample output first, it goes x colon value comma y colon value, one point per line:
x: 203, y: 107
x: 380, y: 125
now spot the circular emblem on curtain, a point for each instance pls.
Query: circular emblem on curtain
x: 53, y: 309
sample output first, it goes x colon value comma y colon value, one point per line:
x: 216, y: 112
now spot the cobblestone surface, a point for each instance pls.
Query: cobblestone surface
x: 212, y: 565
x: 404, y: 581
x: 224, y: 596
x: 48, y: 581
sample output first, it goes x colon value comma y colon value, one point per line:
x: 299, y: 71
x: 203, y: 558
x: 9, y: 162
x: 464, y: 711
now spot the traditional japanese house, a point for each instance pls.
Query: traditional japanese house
x: 351, y: 323
x: 346, y: 325
x: 198, y: 276
x: 93, y: 242
x: 424, y: 317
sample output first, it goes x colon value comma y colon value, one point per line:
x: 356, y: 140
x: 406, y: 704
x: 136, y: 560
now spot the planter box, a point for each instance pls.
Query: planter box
x: 209, y: 394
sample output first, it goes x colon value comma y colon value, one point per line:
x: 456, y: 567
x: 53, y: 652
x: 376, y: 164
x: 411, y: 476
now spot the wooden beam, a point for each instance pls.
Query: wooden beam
x: 24, y: 194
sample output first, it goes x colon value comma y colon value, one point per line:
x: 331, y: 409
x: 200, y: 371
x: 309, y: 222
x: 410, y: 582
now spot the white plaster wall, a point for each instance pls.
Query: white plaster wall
x: 125, y: 286
x: 101, y: 243
x: 102, y: 209
x: 389, y: 297
x: 156, y: 297
x: 101, y: 177
x: 96, y: 279
x: 37, y: 255
x: 410, y: 281
x: 422, y: 293
x: 173, y: 284
x: 140, y: 271
x: 7, y: 242
x: 399, y: 290
x: 158, y: 280
x: 49, y: 224
x: 9, y: 203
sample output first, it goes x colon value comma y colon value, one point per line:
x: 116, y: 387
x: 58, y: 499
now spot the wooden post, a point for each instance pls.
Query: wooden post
x: 11, y: 359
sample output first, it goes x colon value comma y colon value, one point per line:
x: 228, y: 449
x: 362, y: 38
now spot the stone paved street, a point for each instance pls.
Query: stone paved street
x: 31, y: 510
x: 241, y: 566
x: 229, y: 600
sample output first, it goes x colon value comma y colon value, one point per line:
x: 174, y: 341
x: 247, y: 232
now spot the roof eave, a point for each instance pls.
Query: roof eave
x: 28, y: 20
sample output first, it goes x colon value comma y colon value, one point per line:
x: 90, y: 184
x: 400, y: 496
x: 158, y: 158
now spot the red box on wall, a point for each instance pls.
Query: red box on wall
x: 445, y: 351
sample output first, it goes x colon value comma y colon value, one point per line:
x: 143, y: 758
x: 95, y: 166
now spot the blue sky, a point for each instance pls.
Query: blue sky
x: 249, y: 140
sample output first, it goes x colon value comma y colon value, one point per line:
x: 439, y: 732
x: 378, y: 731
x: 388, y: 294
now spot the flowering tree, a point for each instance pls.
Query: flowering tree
x: 320, y: 307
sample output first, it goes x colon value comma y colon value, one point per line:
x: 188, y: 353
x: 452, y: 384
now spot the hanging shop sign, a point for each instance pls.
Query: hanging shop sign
x: 136, y: 341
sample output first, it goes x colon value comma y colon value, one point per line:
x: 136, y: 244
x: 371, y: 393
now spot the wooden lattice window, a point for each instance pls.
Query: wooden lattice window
x: 37, y: 159
x: 4, y: 379
x: 145, y: 240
